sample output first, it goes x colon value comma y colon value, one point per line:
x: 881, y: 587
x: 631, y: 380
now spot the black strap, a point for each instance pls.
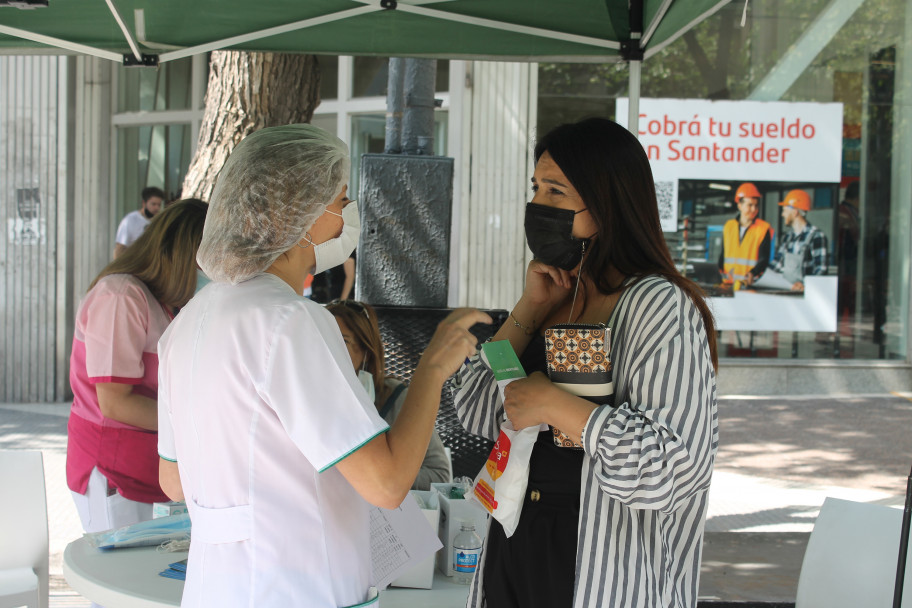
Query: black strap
x: 391, y: 400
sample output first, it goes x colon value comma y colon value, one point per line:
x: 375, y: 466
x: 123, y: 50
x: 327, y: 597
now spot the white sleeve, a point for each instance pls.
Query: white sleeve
x: 166, y: 448
x: 123, y: 231
x: 312, y: 387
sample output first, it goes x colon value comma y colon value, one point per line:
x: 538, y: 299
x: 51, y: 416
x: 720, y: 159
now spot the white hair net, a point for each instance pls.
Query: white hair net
x: 273, y: 187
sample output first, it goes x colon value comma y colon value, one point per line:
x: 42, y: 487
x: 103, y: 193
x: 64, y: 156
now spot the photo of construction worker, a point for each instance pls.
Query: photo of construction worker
x: 802, y: 251
x: 746, y: 240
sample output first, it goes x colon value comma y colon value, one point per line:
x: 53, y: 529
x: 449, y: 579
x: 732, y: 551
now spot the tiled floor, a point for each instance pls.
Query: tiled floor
x: 778, y: 459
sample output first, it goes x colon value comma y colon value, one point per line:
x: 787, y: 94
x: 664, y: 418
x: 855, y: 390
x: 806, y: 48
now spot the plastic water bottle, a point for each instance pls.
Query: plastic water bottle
x: 466, y: 553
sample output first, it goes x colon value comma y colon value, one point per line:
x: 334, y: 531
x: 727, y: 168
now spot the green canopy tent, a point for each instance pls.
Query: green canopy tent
x: 146, y: 32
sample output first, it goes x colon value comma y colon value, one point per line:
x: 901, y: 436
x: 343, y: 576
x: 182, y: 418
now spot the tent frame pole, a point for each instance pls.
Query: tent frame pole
x: 218, y: 45
x: 632, y: 52
x: 635, y: 68
x: 61, y: 44
x: 126, y: 31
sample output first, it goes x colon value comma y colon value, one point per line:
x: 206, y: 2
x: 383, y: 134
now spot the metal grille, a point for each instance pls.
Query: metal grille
x: 406, y: 331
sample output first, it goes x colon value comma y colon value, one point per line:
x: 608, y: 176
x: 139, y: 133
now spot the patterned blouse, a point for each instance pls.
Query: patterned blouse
x: 645, y: 482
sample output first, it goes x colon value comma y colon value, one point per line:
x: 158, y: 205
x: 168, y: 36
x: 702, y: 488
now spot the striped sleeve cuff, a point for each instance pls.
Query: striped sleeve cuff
x: 591, y: 430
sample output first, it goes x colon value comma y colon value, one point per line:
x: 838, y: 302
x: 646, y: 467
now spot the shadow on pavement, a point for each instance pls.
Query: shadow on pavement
x: 849, y: 442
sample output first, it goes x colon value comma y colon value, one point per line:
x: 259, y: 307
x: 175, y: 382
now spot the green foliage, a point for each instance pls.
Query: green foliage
x: 720, y: 59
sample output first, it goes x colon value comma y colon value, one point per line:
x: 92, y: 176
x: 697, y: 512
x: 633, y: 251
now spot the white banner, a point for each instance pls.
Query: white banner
x: 753, y: 310
x: 740, y: 140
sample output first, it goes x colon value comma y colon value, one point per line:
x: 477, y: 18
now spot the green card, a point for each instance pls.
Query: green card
x: 503, y: 360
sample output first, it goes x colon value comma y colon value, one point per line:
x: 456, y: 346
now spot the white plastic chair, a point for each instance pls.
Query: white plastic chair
x: 851, y: 558
x: 23, y: 530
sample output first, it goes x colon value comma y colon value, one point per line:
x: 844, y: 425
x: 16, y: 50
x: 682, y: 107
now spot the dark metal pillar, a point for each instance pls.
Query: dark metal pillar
x: 406, y: 199
x: 395, y: 103
x: 418, y: 119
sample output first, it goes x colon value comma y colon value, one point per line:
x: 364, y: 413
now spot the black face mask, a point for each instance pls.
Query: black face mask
x: 549, y: 233
x: 148, y: 214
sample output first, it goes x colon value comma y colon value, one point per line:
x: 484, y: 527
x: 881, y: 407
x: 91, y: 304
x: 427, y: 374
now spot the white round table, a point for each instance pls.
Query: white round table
x: 128, y: 578
x: 122, y: 578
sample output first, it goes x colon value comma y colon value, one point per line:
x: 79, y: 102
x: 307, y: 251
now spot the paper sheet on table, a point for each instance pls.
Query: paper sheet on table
x: 772, y: 280
x: 400, y: 539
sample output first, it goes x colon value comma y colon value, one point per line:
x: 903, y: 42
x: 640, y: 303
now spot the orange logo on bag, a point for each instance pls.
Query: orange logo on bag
x: 485, y: 495
x: 497, y: 461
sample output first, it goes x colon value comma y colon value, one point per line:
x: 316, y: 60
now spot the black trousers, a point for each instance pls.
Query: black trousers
x: 536, y: 567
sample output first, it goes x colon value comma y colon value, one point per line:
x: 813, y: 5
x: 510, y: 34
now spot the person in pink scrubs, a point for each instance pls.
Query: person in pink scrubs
x: 112, y: 456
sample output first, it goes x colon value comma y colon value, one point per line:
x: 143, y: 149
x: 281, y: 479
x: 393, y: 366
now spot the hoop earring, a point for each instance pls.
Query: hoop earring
x: 308, y: 237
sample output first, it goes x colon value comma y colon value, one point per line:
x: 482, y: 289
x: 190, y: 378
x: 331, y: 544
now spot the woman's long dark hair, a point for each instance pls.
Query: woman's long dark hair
x: 610, y: 170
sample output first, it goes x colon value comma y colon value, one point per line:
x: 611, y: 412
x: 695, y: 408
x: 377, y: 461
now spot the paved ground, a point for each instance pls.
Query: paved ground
x: 778, y: 459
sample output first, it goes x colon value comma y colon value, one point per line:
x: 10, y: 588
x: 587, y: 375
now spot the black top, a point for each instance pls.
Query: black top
x: 552, y: 469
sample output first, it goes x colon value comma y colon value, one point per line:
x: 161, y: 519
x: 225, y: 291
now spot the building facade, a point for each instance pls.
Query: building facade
x: 80, y: 137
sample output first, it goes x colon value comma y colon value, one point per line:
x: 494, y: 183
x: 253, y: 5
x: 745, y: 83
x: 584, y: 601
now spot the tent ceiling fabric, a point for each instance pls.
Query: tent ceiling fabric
x: 529, y: 30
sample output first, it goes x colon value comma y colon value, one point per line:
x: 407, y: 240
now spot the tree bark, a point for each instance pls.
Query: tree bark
x: 247, y: 92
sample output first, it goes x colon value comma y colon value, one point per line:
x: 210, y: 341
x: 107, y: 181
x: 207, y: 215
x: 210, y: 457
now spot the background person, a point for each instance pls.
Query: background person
x: 133, y: 224
x: 803, y: 251
x: 336, y: 283
x: 745, y: 240
x: 848, y: 236
x: 264, y: 426
x: 361, y: 334
x: 112, y: 458
x: 630, y: 504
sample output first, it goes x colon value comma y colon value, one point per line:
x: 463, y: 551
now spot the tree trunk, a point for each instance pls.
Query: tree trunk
x: 247, y: 92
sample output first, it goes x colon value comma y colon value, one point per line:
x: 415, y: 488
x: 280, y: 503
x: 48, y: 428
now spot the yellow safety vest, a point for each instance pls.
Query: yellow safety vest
x: 741, y: 254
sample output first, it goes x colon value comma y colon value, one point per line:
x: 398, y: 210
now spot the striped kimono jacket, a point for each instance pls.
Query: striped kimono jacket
x: 645, y: 483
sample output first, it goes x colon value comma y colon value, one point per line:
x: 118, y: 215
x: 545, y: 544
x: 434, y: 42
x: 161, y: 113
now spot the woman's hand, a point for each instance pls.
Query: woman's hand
x: 546, y: 286
x: 527, y: 401
x: 535, y: 400
x: 452, y: 343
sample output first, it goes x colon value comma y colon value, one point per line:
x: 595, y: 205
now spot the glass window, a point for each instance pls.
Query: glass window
x: 327, y: 122
x: 863, y: 214
x: 329, y: 76
x: 165, y: 88
x: 443, y: 76
x: 369, y: 76
x: 151, y: 156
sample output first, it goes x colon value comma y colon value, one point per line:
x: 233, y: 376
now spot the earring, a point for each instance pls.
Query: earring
x: 308, y: 237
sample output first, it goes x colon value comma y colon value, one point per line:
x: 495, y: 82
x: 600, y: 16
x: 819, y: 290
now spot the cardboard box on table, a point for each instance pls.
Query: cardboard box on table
x: 422, y: 575
x: 454, y: 511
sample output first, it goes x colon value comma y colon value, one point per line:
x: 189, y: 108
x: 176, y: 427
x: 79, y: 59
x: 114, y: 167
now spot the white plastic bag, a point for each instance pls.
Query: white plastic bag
x: 500, y: 486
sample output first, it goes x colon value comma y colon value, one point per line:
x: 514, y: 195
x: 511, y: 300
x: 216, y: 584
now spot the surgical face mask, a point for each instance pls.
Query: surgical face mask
x: 367, y: 381
x: 334, y: 252
x: 152, y: 532
x: 549, y: 233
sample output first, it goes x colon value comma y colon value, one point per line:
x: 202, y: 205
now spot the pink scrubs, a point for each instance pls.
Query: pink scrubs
x: 118, y: 325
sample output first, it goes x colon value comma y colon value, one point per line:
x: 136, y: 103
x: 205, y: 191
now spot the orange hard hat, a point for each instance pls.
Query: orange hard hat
x: 797, y: 199
x: 746, y: 189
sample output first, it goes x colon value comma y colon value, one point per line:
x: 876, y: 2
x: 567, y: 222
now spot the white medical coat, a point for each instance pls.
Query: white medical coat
x: 257, y: 401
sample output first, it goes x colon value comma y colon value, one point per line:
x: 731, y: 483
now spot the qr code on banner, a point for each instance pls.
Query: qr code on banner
x: 667, y: 196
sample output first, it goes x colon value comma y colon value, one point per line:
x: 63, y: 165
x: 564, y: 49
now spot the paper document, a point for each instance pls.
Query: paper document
x: 400, y: 539
x: 772, y: 280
